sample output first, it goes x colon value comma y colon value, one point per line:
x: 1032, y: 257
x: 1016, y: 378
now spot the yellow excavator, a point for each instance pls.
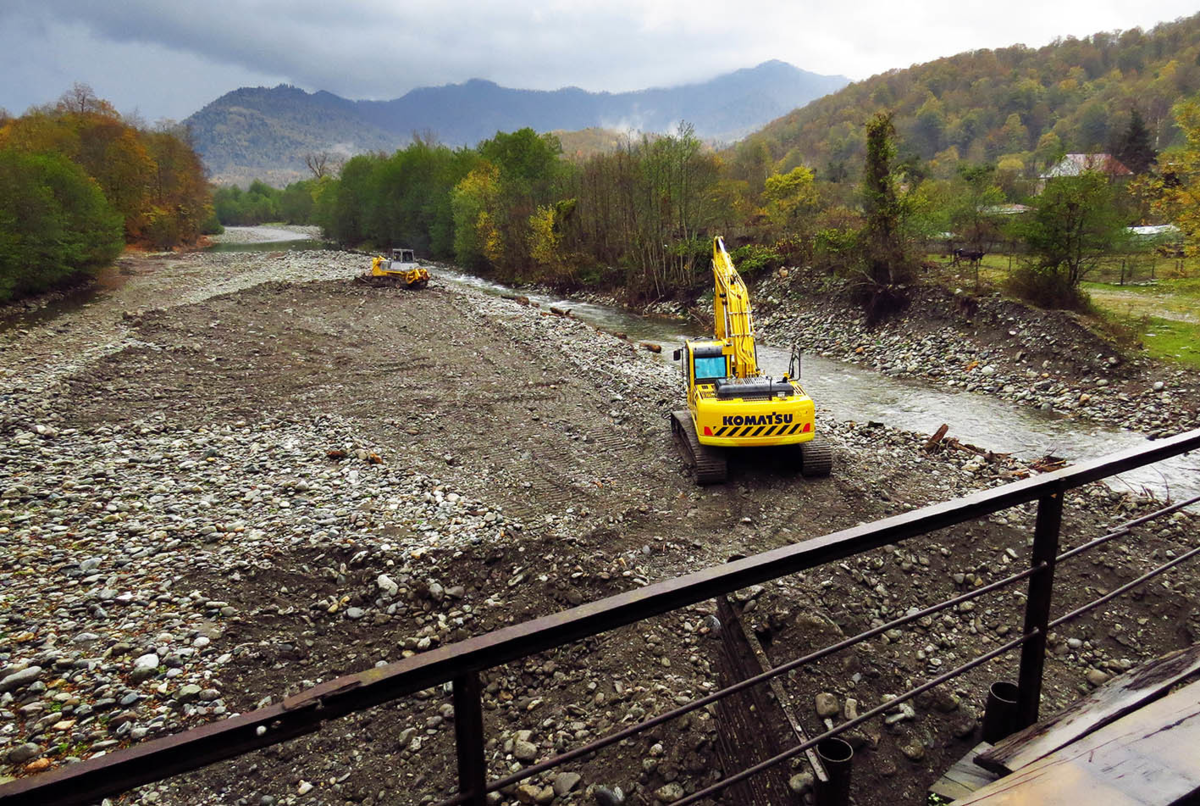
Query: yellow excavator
x: 731, y: 403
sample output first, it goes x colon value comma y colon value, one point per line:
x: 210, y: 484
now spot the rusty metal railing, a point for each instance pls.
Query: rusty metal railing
x: 461, y: 663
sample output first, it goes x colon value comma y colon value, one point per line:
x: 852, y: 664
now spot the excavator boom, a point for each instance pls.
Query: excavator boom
x: 731, y: 312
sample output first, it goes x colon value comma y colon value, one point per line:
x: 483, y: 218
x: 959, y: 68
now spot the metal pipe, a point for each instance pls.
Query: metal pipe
x: 1001, y: 714
x: 1037, y: 606
x: 468, y: 739
x: 1092, y: 605
x: 1125, y: 528
x: 846, y: 643
x: 837, y: 755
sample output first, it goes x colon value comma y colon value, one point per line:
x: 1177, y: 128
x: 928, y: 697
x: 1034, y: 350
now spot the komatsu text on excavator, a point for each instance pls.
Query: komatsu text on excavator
x: 731, y: 403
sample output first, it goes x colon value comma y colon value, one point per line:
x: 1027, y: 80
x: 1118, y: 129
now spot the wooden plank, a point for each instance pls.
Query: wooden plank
x: 964, y: 777
x: 782, y: 699
x: 1109, y: 702
x: 1147, y: 758
x: 749, y: 724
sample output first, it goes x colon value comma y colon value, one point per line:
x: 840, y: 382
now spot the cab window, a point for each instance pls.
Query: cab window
x: 709, y: 368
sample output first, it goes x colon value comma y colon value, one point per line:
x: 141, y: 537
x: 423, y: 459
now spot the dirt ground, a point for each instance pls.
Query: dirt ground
x: 562, y: 429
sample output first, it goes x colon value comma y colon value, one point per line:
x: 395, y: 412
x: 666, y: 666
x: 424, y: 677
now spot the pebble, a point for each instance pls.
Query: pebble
x: 564, y: 782
x: 827, y: 705
x: 912, y: 748
x: 23, y: 753
x: 801, y: 782
x: 18, y: 680
x: 669, y: 793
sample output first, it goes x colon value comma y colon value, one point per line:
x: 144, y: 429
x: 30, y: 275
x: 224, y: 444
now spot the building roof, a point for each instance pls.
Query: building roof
x: 1076, y: 164
x: 1005, y: 209
x: 1156, y: 231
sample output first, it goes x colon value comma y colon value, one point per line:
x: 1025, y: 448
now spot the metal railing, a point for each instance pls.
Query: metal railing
x: 461, y: 663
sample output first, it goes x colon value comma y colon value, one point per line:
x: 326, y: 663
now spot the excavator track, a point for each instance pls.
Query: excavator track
x: 389, y: 282
x: 816, y: 458
x: 708, y: 464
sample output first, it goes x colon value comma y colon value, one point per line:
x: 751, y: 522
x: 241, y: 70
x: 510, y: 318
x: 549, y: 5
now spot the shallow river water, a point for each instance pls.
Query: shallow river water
x: 848, y: 392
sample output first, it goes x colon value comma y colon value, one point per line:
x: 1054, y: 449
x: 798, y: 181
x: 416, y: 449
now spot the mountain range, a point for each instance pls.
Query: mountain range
x: 264, y: 133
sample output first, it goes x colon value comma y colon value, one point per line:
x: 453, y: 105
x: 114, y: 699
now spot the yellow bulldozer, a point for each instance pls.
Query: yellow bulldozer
x: 400, y: 269
x: 731, y: 403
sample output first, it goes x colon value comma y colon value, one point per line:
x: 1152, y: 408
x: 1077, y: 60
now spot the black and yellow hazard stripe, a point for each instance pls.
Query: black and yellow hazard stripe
x: 734, y: 431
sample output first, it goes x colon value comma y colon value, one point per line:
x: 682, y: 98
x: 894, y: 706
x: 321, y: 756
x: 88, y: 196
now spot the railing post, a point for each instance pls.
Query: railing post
x: 468, y: 738
x: 1037, y: 607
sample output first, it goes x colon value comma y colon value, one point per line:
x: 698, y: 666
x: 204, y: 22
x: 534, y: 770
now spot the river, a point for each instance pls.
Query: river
x: 841, y: 391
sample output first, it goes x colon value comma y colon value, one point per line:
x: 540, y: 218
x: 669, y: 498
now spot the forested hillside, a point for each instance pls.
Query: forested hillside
x: 859, y: 186
x: 77, y: 182
x: 1016, y: 107
x: 259, y: 133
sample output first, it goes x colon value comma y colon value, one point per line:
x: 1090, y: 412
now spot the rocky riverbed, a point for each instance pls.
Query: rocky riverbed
x: 988, y: 345
x: 238, y: 475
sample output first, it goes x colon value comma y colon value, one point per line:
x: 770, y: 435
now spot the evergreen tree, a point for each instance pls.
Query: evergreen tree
x: 1133, y: 147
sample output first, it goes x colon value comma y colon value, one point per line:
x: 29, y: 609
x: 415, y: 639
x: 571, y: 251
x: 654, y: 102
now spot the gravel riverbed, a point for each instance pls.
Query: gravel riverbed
x: 237, y: 475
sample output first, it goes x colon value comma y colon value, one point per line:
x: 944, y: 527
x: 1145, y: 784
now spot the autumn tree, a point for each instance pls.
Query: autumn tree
x: 791, y: 199
x: 152, y: 177
x: 1180, y: 191
x: 475, y: 208
x: 1074, y: 223
x: 55, y: 223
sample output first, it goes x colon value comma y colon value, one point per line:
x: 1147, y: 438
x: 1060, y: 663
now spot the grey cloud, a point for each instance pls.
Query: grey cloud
x: 383, y: 48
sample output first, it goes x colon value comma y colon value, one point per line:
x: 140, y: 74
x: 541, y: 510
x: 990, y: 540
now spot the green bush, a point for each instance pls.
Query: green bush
x: 211, y: 225
x: 55, y: 224
x: 752, y: 259
x: 1046, y: 287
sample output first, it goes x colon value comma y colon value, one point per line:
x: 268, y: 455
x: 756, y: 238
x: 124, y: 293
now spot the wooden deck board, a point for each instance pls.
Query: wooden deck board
x: 1106, y: 704
x: 1150, y: 757
x: 964, y: 777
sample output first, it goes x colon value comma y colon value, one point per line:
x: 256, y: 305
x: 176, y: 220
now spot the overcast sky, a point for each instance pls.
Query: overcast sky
x: 165, y: 59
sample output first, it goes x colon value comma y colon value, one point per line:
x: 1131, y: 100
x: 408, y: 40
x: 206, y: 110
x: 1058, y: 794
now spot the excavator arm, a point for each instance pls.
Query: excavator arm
x: 731, y: 312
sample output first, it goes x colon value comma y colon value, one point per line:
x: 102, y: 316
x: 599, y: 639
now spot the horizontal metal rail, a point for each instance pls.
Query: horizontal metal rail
x: 866, y: 716
x: 776, y: 671
x: 1127, y: 527
x: 88, y: 781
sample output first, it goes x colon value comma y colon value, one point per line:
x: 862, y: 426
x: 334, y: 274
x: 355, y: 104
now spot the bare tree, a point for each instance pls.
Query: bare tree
x: 80, y: 99
x: 319, y: 163
x: 426, y: 137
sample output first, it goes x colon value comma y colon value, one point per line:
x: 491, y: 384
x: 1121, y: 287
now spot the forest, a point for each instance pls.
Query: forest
x: 965, y: 142
x: 1017, y: 108
x: 78, y: 182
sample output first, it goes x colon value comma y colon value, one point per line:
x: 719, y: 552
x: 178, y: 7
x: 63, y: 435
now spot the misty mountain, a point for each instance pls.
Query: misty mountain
x: 264, y: 133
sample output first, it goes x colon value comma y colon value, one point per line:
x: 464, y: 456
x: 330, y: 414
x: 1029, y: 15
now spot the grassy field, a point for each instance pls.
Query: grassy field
x: 1158, y: 304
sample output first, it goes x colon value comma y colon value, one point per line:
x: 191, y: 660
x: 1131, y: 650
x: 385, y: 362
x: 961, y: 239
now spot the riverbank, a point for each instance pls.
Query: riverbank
x: 240, y: 474
x: 989, y: 345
